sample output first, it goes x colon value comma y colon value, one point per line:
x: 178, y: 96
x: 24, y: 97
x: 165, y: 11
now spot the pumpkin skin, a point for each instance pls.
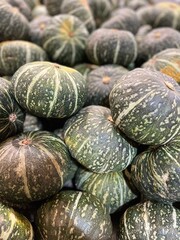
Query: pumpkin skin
x: 145, y: 105
x: 48, y: 89
x: 36, y: 168
x: 85, y: 68
x: 149, y: 221
x: 111, y: 188
x: 16, y: 53
x: 53, y: 6
x: 167, y: 62
x: 73, y: 215
x: 11, y: 114
x: 155, y: 172
x: 14, y: 25
x: 23, y: 8
x: 14, y: 225
x: 64, y: 39
x: 117, y: 43
x: 95, y: 142
x: 40, y: 10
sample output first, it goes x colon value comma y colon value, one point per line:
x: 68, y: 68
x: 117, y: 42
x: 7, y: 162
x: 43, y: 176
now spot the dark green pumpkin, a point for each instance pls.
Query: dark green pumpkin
x: 145, y: 105
x: 34, y: 165
x: 49, y: 90
x: 16, y: 53
x: 85, y: 68
x: 23, y: 7
x: 73, y: 215
x: 53, y: 6
x: 150, y: 221
x: 14, y: 225
x: 95, y: 142
x: 11, y: 114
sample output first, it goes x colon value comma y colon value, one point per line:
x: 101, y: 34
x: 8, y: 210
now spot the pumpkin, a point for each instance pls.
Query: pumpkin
x: 145, y: 105
x: 14, y: 25
x: 167, y: 62
x: 23, y: 7
x: 40, y: 10
x: 49, y: 90
x: 53, y: 6
x: 16, y: 53
x: 149, y: 221
x: 64, y: 39
x: 155, y: 172
x: 73, y: 215
x: 111, y: 188
x: 11, y: 114
x: 95, y: 142
x: 109, y: 46
x: 137, y: 4
x: 14, y: 225
x: 85, y: 68
x: 37, y: 166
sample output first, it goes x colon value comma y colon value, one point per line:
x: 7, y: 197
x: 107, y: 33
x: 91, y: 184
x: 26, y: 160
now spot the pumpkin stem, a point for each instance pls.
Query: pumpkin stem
x: 12, y: 117
x: 110, y: 119
x: 25, y: 141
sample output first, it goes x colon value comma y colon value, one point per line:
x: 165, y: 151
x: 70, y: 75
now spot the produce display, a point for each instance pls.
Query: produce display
x: 89, y: 119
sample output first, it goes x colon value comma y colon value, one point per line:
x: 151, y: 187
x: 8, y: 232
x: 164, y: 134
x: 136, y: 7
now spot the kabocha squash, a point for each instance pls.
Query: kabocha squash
x: 40, y: 10
x: 11, y: 114
x: 53, y: 6
x: 145, y: 105
x: 110, y: 188
x: 64, y: 39
x: 49, y: 90
x: 80, y: 9
x: 95, y: 142
x: 23, y: 7
x: 137, y: 4
x: 73, y: 215
x: 85, y: 68
x: 155, y: 172
x: 167, y: 62
x: 150, y: 221
x: 14, y: 225
x: 111, y: 46
x: 16, y: 53
x: 14, y: 25
x: 100, y: 82
x: 34, y: 166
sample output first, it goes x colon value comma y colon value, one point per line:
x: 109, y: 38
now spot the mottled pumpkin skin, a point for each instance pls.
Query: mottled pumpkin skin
x: 14, y: 25
x: 95, y: 142
x: 23, y: 8
x: 53, y: 6
x: 111, y: 46
x: 49, y: 90
x: 85, y: 68
x: 155, y: 172
x: 167, y: 62
x: 73, y: 215
x: 34, y: 165
x: 16, y: 53
x: 145, y: 105
x: 14, y: 225
x: 149, y: 221
x: 110, y: 188
x: 11, y: 114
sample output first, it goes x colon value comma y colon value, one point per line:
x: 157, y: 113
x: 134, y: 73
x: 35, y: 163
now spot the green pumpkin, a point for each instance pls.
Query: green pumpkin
x: 145, y: 105
x: 85, y: 68
x: 149, y: 221
x: 23, y: 7
x: 14, y: 225
x: 95, y: 142
x: 73, y: 215
x: 11, y: 114
x: 49, y: 90
x: 34, y: 165
x: 53, y: 6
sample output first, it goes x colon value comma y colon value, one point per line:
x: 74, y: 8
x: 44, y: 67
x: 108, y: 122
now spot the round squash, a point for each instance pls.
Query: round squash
x: 14, y: 225
x: 34, y: 165
x: 53, y: 6
x: 11, y: 114
x: 85, y: 68
x: 16, y: 53
x: 145, y: 105
x: 49, y: 90
x: 95, y: 142
x: 73, y: 215
x: 23, y: 7
x: 149, y: 221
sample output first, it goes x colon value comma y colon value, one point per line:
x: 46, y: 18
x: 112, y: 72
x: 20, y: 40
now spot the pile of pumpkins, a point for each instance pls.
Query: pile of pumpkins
x: 89, y: 120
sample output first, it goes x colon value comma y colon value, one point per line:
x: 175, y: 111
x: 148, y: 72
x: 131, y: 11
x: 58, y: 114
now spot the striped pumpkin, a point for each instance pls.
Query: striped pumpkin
x: 34, y: 165
x: 95, y: 142
x: 23, y: 7
x: 16, y: 53
x: 150, y: 221
x: 14, y: 225
x: 145, y: 105
x: 11, y: 114
x: 111, y: 188
x: 85, y: 68
x: 73, y: 215
x: 167, y: 62
x: 49, y: 90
